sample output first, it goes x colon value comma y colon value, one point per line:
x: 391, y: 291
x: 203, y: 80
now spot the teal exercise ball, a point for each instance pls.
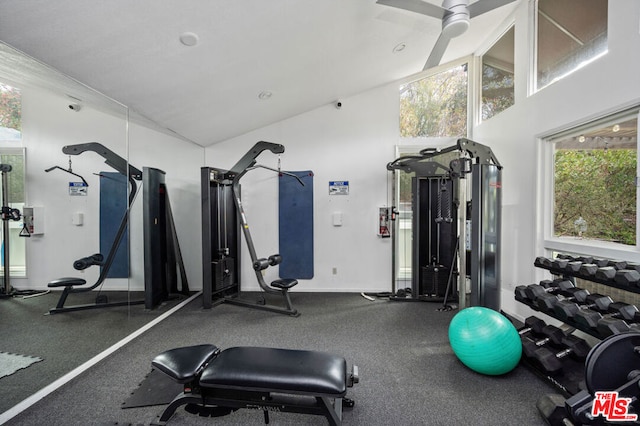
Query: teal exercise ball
x: 485, y: 341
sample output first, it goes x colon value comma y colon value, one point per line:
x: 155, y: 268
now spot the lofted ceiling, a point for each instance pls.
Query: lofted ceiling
x: 304, y: 53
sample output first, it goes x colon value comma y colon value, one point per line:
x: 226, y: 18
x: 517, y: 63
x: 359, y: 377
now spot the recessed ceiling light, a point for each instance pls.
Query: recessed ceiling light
x: 616, y: 128
x: 264, y: 95
x: 581, y: 138
x: 189, y: 39
x: 399, y: 47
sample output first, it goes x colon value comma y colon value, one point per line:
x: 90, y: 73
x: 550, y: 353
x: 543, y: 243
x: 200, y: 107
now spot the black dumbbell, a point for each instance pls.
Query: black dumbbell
x: 565, y: 309
x: 606, y: 273
x: 533, y: 291
x: 532, y: 324
x: 573, y: 266
x: 547, y: 303
x: 528, y: 293
x: 608, y: 326
x: 553, y: 410
x: 615, y: 322
x: 616, y: 310
x: 551, y: 362
x: 627, y: 277
x: 570, y: 310
x: 588, y: 269
x: 542, y: 261
x: 552, y: 334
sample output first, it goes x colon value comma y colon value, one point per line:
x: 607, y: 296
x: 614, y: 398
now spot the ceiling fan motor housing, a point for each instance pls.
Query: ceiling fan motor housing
x: 456, y: 21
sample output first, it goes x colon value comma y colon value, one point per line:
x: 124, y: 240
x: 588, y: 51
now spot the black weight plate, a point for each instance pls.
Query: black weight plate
x: 610, y: 361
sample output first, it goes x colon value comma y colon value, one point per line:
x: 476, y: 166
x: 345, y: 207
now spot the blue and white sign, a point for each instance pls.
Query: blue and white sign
x: 78, y: 189
x: 339, y: 187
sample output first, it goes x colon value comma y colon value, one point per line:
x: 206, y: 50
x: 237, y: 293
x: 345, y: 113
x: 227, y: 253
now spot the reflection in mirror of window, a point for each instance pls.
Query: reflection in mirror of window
x: 435, y: 106
x: 15, y: 200
x: 498, y: 76
x: 571, y: 33
x: 10, y: 113
x: 595, y: 181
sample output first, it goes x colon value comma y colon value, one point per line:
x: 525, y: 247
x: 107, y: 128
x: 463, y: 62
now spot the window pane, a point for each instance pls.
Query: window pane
x: 595, y: 190
x: 10, y: 113
x: 570, y: 33
x: 435, y: 106
x: 498, y: 76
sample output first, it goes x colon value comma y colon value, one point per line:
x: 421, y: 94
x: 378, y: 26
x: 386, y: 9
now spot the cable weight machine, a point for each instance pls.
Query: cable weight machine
x: 223, y: 221
x: 7, y: 213
x: 456, y: 221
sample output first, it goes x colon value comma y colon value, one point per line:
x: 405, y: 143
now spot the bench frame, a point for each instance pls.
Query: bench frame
x: 188, y: 365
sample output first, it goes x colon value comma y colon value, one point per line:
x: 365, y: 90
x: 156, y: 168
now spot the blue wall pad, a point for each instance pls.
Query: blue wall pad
x: 296, y: 225
x: 113, y: 205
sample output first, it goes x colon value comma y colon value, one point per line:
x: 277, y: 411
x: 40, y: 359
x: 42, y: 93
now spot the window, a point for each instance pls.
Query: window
x: 10, y: 113
x: 594, y: 187
x: 570, y: 34
x: 435, y: 106
x: 12, y: 155
x: 498, y: 76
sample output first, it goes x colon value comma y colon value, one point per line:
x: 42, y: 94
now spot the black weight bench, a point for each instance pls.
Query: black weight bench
x: 279, y: 380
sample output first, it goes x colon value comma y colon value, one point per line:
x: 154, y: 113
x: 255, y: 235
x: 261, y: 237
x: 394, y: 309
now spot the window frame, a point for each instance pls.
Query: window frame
x: 472, y: 64
x: 546, y: 191
x: 534, y: 87
x: 479, y: 67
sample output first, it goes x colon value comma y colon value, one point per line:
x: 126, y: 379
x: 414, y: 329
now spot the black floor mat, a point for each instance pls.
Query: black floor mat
x: 156, y: 389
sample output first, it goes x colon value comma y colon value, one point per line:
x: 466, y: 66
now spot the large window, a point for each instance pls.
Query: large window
x: 10, y: 113
x: 498, y: 76
x: 435, y: 106
x: 595, y: 185
x: 570, y: 34
x: 11, y: 154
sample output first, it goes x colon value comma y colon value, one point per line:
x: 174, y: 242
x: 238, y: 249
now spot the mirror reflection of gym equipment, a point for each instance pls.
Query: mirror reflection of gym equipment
x: 161, y: 248
x: 7, y: 213
x: 450, y: 231
x: 222, y: 218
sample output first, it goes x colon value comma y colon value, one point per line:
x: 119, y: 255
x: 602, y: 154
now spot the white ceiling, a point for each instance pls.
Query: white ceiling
x: 308, y: 53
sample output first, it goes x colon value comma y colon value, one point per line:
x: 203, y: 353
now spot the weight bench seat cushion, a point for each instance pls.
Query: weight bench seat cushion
x: 284, y: 283
x: 184, y: 364
x: 66, y: 282
x: 277, y: 370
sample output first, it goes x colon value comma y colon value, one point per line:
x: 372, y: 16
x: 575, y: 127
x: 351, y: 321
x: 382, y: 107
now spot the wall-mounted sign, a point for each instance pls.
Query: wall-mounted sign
x: 78, y: 189
x: 339, y: 187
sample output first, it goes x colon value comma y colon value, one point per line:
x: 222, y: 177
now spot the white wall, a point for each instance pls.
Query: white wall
x: 607, y: 84
x: 48, y: 125
x: 355, y: 144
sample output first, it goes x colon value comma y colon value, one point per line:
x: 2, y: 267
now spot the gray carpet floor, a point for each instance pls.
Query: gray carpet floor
x: 63, y: 341
x: 408, y: 373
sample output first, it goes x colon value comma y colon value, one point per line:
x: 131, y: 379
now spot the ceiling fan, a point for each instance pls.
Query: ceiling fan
x: 455, y: 16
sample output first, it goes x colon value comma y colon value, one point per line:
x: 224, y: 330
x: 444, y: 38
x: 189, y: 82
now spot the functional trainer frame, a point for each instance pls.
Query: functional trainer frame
x: 222, y: 218
x: 459, y: 230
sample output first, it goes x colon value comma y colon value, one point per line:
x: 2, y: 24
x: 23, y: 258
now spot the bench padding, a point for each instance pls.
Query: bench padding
x: 273, y: 370
x: 183, y: 364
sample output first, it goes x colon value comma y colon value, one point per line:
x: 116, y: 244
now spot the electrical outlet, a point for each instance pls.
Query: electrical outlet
x: 334, y: 271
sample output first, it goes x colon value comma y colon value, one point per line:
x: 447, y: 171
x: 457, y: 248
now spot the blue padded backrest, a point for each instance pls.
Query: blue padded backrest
x: 296, y: 225
x: 113, y: 205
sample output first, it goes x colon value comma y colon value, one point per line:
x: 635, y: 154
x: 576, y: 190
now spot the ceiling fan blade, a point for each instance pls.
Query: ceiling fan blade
x: 437, y: 52
x: 417, y: 6
x: 483, y: 6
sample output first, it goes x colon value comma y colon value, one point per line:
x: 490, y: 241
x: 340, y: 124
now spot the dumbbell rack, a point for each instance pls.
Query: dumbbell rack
x: 615, y: 274
x: 550, y: 265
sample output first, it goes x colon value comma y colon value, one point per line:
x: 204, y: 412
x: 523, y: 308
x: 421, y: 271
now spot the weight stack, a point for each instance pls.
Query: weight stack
x: 434, y: 281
